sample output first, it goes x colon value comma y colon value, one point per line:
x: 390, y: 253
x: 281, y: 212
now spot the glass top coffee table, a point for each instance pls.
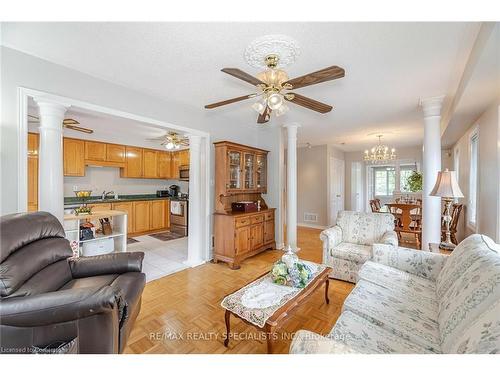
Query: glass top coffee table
x: 266, y: 306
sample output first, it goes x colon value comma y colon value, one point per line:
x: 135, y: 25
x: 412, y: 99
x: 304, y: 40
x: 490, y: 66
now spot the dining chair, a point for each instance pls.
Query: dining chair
x: 373, y: 206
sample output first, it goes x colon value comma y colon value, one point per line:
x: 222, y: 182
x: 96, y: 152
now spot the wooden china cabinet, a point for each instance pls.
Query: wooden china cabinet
x: 241, y: 175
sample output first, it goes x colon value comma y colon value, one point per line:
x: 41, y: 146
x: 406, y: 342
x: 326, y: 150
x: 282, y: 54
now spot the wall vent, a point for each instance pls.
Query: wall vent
x: 310, y: 217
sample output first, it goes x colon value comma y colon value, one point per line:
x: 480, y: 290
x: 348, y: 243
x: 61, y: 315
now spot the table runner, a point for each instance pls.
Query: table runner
x: 259, y: 300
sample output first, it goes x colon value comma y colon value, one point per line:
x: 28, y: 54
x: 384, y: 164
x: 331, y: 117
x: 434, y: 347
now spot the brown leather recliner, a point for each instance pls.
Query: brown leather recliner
x: 49, y: 300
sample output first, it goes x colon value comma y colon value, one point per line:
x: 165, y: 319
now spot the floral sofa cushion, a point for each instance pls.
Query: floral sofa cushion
x: 353, y: 252
x: 393, y: 278
x: 401, y: 314
x: 364, y: 228
x: 366, y: 337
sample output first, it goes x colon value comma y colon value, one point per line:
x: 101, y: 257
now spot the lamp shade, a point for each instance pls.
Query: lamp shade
x: 447, y: 185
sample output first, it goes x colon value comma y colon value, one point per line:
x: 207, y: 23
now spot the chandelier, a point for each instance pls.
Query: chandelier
x: 379, y: 153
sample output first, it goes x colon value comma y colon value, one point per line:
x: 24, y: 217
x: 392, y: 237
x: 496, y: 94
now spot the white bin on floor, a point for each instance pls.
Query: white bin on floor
x: 98, y: 247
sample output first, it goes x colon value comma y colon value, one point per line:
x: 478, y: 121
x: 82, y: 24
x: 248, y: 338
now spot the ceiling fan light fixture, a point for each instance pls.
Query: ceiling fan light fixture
x: 259, y: 107
x: 282, y: 110
x: 274, y: 101
x: 274, y: 77
x: 169, y: 145
x: 177, y: 146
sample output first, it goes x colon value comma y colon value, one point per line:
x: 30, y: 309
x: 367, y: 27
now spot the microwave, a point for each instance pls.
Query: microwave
x: 184, y: 173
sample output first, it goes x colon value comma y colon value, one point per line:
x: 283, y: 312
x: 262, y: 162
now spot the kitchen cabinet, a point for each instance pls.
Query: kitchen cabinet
x: 127, y: 207
x: 142, y: 216
x: 256, y: 236
x: 249, y: 171
x: 32, y: 172
x: 100, y: 206
x: 261, y: 172
x: 164, y: 164
x: 115, y: 153
x: 74, y: 157
x: 242, y: 240
x: 174, y: 165
x: 183, y: 157
x: 158, y: 214
x: 133, y: 162
x: 95, y: 151
x: 150, y: 166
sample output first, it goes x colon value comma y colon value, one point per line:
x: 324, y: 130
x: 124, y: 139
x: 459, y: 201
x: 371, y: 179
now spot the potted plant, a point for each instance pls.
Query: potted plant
x: 414, y: 182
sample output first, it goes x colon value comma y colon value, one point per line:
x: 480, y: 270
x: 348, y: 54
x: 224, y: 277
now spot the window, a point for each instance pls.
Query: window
x: 474, y: 157
x: 384, y: 180
x: 404, y: 172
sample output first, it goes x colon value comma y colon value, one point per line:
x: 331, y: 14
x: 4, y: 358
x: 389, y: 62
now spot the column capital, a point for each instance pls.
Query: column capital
x: 431, y: 106
x: 194, y: 139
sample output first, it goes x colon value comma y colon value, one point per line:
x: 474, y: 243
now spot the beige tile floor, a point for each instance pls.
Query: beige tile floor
x: 161, y: 258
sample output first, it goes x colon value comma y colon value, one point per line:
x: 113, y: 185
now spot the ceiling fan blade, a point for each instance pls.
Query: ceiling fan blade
x: 229, y: 101
x: 78, y: 128
x: 243, y: 76
x: 263, y: 118
x: 70, y: 121
x: 309, y: 103
x: 323, y: 75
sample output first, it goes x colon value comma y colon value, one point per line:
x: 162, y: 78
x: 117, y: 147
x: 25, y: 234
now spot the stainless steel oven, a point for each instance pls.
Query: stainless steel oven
x: 179, y: 217
x: 184, y: 173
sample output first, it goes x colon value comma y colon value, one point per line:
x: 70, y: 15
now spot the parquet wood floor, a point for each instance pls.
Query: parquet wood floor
x: 181, y: 313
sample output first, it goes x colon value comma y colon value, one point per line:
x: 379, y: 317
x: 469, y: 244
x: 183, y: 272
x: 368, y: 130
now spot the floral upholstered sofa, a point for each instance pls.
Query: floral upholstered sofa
x: 411, y: 301
x: 348, y: 244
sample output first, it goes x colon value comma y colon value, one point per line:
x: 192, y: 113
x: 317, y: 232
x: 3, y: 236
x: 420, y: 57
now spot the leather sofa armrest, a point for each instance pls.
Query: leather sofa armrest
x: 390, y: 238
x: 106, y: 264
x: 60, y: 306
x: 417, y: 262
x: 306, y: 342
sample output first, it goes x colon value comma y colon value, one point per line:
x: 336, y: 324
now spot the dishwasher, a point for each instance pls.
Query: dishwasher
x: 179, y: 217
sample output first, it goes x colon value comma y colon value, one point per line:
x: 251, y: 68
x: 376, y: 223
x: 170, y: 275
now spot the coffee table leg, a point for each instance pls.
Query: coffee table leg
x: 269, y: 339
x: 327, y: 284
x: 227, y: 318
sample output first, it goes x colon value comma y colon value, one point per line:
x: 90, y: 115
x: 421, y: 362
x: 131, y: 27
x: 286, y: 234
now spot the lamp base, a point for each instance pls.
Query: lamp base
x: 447, y: 246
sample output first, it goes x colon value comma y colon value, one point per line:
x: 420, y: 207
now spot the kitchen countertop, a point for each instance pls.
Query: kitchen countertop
x: 70, y: 202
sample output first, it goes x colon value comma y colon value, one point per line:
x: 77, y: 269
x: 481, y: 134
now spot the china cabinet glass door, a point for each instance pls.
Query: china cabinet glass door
x: 234, y: 179
x: 261, y: 172
x: 249, y: 165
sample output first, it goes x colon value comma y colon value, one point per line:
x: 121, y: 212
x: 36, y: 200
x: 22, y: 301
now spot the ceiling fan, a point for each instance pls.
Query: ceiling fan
x: 272, y: 82
x: 68, y: 123
x: 171, y: 141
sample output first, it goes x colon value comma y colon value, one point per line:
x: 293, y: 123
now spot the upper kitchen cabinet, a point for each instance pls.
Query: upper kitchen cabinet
x: 174, y: 164
x: 95, y: 151
x: 115, y: 153
x: 164, y: 164
x: 240, y: 169
x: 183, y: 157
x: 133, y: 162
x: 150, y: 164
x: 74, y: 157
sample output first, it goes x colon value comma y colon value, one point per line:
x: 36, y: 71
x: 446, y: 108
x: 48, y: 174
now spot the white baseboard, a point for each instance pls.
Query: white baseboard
x: 309, y: 225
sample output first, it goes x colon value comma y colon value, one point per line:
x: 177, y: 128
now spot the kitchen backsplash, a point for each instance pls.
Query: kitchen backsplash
x: 106, y: 178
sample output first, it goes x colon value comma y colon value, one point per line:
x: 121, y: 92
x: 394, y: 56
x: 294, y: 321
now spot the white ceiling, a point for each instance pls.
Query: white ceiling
x: 389, y: 66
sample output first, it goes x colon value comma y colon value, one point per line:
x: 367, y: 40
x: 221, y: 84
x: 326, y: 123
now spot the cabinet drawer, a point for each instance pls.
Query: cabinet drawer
x: 257, y: 219
x: 269, y: 215
x: 242, y: 221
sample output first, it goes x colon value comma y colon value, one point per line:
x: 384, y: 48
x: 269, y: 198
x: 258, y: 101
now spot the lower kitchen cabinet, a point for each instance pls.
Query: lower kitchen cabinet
x: 142, y: 216
x: 100, y: 206
x: 242, y: 235
x: 127, y: 207
x: 158, y: 214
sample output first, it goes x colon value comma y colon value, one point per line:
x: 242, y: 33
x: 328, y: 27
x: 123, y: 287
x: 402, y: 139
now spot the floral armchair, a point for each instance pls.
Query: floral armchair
x: 348, y: 244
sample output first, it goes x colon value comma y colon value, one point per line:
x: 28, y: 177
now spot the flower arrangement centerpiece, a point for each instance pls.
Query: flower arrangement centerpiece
x: 290, y: 271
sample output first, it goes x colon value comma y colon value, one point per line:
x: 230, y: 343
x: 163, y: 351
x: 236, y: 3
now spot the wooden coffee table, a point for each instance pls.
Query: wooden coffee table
x: 284, y: 312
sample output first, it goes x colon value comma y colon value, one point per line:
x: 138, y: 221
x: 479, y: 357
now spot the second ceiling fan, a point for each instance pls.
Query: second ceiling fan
x: 271, y: 84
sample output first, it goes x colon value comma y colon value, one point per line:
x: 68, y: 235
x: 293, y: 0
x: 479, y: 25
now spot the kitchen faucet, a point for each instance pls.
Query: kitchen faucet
x: 104, y: 194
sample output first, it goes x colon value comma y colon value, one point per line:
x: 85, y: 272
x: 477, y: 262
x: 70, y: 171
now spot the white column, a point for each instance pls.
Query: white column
x: 50, y: 158
x: 195, y: 238
x: 291, y: 184
x: 431, y: 209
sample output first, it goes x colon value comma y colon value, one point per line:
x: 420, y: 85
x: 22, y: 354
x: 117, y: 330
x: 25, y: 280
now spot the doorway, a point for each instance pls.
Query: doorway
x: 337, y: 176
x: 356, y: 187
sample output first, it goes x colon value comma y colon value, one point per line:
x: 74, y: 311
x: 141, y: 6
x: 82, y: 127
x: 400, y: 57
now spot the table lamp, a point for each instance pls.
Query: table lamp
x: 447, y: 188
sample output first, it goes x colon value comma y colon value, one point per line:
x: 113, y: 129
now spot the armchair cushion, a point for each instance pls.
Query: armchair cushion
x: 416, y: 262
x: 116, y: 263
x: 353, y: 252
x: 60, y: 306
x: 364, y: 228
x: 307, y: 342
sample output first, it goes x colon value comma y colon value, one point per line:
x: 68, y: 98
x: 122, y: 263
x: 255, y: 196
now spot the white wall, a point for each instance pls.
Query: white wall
x: 488, y: 174
x: 21, y: 70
